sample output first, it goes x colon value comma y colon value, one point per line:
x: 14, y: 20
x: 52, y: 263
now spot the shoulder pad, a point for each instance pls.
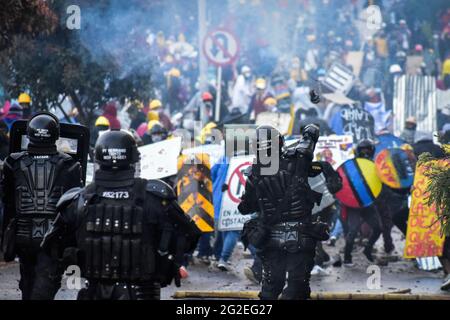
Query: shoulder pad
x: 68, y: 197
x: 66, y: 157
x: 160, y: 189
x: 17, y: 155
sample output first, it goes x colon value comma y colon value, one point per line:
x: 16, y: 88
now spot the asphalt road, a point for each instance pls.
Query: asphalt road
x: 398, y: 274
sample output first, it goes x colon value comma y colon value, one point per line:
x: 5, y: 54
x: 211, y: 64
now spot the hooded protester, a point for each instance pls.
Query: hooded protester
x: 424, y: 143
x: 257, y: 103
x: 110, y: 113
x: 136, y: 116
x: 408, y: 134
x: 15, y: 113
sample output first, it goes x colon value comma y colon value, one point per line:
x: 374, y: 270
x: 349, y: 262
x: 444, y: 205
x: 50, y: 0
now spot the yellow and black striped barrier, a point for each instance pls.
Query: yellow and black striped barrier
x: 194, y: 189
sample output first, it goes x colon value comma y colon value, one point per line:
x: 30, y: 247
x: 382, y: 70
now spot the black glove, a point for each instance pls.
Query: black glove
x: 312, y: 132
x: 314, y: 97
x: 224, y: 187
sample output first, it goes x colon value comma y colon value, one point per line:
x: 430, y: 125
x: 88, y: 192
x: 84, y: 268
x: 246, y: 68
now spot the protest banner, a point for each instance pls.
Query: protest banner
x: 278, y: 120
x: 423, y: 236
x: 230, y: 218
x: 159, y: 160
x: 334, y: 149
x: 214, y: 151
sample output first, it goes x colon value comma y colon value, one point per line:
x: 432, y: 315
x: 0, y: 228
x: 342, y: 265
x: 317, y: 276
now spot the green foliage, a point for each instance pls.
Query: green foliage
x: 439, y: 190
x: 57, y: 63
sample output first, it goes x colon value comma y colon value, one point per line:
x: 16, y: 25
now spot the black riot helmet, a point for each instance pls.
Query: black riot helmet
x: 43, y: 129
x: 116, y: 149
x: 365, y: 149
x: 265, y: 137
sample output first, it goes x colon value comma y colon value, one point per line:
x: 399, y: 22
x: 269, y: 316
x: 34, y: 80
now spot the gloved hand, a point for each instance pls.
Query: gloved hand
x: 224, y: 187
x: 314, y: 96
x: 312, y: 132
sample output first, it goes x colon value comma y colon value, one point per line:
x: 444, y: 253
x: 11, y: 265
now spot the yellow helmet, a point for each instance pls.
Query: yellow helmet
x: 102, y: 121
x: 260, y: 83
x: 152, y: 115
x: 174, y: 72
x: 270, y: 102
x: 206, y: 130
x: 24, y: 98
x: 155, y: 104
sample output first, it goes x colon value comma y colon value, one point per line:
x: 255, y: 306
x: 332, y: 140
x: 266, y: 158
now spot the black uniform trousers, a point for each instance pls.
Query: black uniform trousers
x: 39, y: 278
x: 276, y: 263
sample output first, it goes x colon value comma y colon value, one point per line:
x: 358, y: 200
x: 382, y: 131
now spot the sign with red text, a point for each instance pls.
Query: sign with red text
x: 423, y: 238
x: 230, y: 218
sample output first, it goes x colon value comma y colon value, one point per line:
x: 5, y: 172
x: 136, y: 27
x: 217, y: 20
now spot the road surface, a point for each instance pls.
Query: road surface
x: 396, y: 275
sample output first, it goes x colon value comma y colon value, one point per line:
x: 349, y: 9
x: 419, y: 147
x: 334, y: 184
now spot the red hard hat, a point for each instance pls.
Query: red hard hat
x: 206, y: 96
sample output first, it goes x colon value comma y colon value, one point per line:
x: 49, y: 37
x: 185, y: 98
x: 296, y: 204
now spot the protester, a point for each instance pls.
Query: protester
x: 110, y: 113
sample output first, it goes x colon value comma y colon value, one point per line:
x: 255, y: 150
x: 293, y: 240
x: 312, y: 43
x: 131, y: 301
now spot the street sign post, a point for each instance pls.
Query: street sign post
x: 220, y: 48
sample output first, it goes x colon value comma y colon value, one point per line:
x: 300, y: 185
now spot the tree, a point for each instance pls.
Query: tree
x: 64, y: 63
x: 439, y: 188
x: 24, y: 17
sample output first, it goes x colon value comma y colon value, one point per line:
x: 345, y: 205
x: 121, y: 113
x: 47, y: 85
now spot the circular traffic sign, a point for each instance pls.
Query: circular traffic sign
x: 236, y: 183
x: 220, y: 47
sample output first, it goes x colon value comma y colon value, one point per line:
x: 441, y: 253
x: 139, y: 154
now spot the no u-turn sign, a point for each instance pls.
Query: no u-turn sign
x: 220, y: 47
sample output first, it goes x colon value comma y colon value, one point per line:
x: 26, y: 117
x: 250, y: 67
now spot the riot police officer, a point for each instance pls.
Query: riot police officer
x: 283, y: 232
x: 33, y: 182
x: 128, y: 235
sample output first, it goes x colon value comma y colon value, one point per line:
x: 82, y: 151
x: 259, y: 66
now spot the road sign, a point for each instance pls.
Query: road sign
x: 230, y: 218
x: 220, y: 47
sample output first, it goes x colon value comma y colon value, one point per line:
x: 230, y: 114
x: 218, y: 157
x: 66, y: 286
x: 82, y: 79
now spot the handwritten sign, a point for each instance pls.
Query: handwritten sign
x: 423, y: 238
x: 159, y: 160
x: 230, y: 217
x: 357, y: 122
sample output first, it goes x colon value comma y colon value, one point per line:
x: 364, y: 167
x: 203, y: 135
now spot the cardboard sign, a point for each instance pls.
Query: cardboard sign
x: 159, y: 160
x: 423, y: 237
x: 339, y: 78
x: 334, y: 149
x: 357, y: 122
x: 215, y: 152
x: 230, y: 218
x: 355, y: 59
x: 278, y: 120
x: 413, y: 65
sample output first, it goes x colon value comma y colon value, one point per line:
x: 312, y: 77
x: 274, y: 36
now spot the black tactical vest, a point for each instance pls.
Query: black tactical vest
x: 285, y: 196
x: 114, y: 236
x: 39, y: 183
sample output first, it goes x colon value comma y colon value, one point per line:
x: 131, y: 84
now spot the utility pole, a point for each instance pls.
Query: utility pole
x: 201, y: 36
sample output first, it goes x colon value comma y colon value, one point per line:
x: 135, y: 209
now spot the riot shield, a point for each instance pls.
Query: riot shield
x: 73, y: 140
